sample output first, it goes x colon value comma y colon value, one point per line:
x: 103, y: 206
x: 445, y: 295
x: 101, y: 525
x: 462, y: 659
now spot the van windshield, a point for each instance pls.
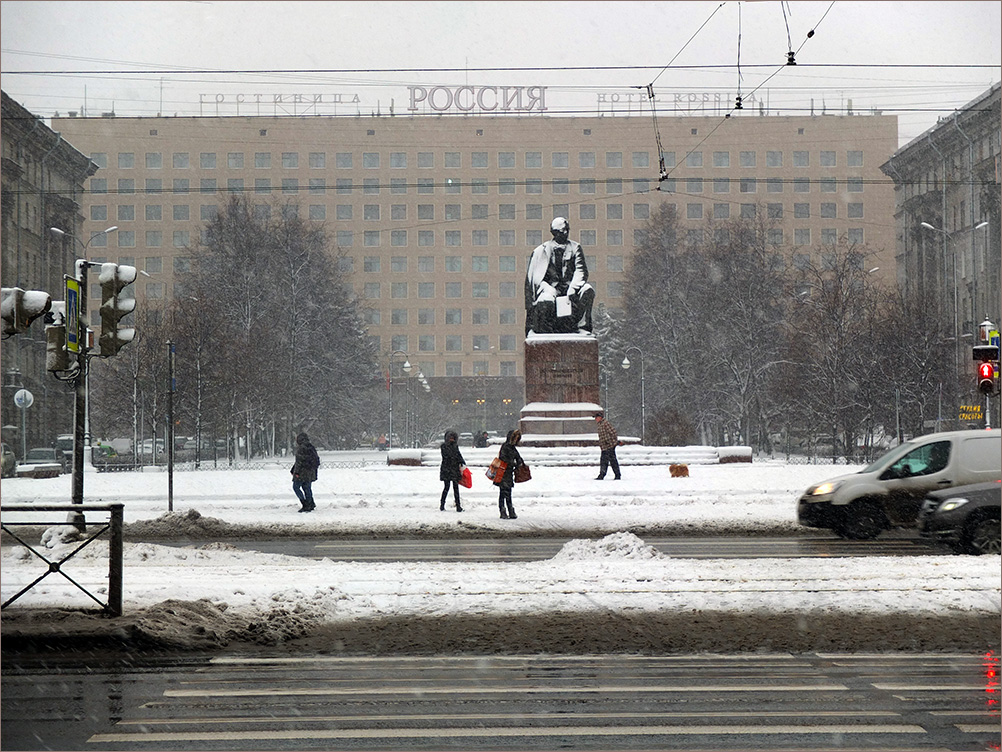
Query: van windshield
x: 890, y: 457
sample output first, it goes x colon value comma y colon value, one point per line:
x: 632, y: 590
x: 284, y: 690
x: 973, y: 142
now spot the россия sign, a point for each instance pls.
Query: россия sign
x: 483, y: 98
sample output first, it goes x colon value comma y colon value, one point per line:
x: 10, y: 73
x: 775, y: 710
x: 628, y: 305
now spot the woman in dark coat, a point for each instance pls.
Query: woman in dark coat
x: 509, y: 454
x: 452, y: 468
x: 304, y: 472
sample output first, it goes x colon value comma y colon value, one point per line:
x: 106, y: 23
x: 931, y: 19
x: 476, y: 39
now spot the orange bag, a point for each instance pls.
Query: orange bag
x: 496, y: 469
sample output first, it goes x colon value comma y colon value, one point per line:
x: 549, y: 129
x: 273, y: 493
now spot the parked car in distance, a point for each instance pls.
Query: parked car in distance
x: 46, y: 456
x: 966, y: 518
x: 890, y: 492
x: 8, y: 461
x: 64, y: 443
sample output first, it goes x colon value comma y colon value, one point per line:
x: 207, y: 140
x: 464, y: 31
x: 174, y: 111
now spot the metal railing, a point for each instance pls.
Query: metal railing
x: 113, y: 527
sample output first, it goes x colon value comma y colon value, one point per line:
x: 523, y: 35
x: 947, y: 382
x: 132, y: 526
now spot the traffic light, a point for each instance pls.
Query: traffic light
x: 114, y: 278
x: 21, y: 307
x: 57, y: 358
x: 986, y: 378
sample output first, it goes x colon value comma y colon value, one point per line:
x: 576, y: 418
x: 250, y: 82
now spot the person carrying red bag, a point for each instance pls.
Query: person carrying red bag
x: 509, y: 455
x: 451, y: 471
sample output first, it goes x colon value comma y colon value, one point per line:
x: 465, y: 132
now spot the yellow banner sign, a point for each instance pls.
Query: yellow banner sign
x: 970, y: 412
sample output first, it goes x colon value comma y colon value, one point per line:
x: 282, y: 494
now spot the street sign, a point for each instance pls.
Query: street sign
x: 970, y: 412
x: 72, y: 314
x: 23, y: 398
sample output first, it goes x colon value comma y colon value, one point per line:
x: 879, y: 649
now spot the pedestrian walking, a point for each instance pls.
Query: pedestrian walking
x: 304, y: 472
x: 452, y: 468
x: 608, y: 440
x: 512, y: 459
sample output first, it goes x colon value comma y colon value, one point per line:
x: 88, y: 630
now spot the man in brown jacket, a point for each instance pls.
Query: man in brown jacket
x: 608, y: 440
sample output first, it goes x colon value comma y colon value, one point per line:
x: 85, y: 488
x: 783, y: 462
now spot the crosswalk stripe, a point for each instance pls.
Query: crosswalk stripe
x: 521, y: 731
x: 423, y: 690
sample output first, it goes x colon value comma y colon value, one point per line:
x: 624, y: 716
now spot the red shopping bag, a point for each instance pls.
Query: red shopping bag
x: 466, y: 481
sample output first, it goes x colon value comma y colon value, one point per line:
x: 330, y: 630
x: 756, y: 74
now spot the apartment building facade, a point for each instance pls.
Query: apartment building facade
x: 435, y: 215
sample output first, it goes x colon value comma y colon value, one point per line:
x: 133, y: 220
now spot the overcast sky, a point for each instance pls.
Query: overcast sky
x: 161, y: 43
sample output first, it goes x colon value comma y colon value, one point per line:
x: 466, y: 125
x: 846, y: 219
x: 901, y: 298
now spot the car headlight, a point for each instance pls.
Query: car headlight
x: 823, y: 489
x: 950, y: 504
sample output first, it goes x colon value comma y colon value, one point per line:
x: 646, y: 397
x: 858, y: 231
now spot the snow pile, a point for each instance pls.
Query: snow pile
x: 616, y: 545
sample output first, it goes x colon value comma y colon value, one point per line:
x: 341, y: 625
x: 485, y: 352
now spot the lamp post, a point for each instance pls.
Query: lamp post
x: 406, y: 369
x: 643, y: 405
x: 81, y: 427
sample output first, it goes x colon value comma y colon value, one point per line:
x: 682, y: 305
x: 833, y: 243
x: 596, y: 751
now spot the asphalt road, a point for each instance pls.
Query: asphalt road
x: 535, y: 549
x: 811, y: 701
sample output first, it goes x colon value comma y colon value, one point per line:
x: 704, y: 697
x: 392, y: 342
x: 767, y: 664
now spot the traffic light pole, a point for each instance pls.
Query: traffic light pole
x: 80, y: 399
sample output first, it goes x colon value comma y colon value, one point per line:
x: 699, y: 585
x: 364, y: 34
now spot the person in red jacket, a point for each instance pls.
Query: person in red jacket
x: 608, y: 440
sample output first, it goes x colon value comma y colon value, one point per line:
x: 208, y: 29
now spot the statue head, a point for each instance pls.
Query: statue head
x: 560, y: 228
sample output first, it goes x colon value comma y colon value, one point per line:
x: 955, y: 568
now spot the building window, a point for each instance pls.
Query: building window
x: 426, y: 238
x: 775, y: 211
x: 398, y: 238
x: 398, y: 290
x: 154, y: 161
x: 182, y: 213
x: 746, y: 159
x: 179, y: 161
x: 749, y: 185
x: 586, y: 160
x: 801, y: 159
x: 398, y: 160
x: 693, y: 211
x: 560, y: 186
x: 370, y: 290
x: 615, y: 289
x: 774, y: 237
x: 506, y: 186
x: 481, y: 289
x: 748, y: 211
x: 128, y: 185
x: 425, y: 185
x: 479, y: 159
x: 533, y: 185
x: 855, y: 185
x: 506, y: 160
x: 426, y: 316
x: 343, y: 212
x: 829, y: 210
x: 855, y: 211
x: 453, y: 289
x: 801, y: 211
x: 426, y: 342
x: 127, y: 212
x: 99, y: 212
x: 453, y: 160
x: 559, y: 160
x: 453, y: 238
x: 154, y: 238
x: 721, y: 211
x: 533, y: 238
x: 801, y: 185
x: 454, y: 263
x: 774, y: 185
x: 426, y: 290
x: 721, y: 185
x: 588, y: 238
x: 802, y: 236
x: 345, y: 238
x: 318, y: 212
x: 181, y: 238
x: 694, y: 185
x: 480, y: 237
x: 855, y: 235
x: 828, y: 159
x: 426, y: 160
x: 721, y: 159
x: 343, y: 186
x: 641, y: 159
x: 829, y: 236
x: 371, y: 238
x: 370, y: 160
x: 828, y: 185
x: 613, y: 186
x: 854, y: 158
x: 506, y: 237
x: 261, y: 185
x: 533, y: 159
x: 694, y: 159
x: 342, y: 160
x: 290, y: 185
x: 290, y: 160
x: 774, y: 159
x: 235, y: 185
x: 613, y: 237
x: 262, y: 160
x: 126, y: 160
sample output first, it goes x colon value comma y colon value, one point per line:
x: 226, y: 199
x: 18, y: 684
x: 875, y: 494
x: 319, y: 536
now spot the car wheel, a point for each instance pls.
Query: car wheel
x: 984, y: 537
x: 862, y: 520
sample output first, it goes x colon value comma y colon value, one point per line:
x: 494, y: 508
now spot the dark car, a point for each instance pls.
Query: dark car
x: 966, y: 518
x: 46, y: 456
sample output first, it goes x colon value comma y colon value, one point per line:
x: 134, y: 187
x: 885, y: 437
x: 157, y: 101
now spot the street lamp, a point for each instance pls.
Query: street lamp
x: 643, y: 405
x: 406, y: 369
x: 81, y: 427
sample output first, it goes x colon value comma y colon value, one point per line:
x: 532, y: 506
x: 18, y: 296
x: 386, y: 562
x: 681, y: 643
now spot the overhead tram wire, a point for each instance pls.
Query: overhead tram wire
x: 663, y: 174
x: 737, y: 105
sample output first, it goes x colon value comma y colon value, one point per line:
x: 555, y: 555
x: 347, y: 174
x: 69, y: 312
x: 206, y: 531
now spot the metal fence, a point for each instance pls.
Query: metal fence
x: 113, y: 526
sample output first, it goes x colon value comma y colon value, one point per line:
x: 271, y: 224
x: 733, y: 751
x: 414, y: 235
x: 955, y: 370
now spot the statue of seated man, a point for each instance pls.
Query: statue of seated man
x: 558, y: 298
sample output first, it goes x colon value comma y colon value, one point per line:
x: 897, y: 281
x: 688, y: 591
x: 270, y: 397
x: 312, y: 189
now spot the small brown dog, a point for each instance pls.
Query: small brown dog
x: 678, y: 471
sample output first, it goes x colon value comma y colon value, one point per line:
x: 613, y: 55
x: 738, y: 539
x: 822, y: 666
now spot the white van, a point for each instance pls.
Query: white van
x: 889, y: 492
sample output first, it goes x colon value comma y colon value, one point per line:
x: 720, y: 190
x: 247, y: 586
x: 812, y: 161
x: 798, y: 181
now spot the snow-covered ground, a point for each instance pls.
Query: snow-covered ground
x: 606, y: 569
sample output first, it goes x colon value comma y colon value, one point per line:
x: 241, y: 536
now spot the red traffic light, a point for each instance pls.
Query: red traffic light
x: 986, y: 378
